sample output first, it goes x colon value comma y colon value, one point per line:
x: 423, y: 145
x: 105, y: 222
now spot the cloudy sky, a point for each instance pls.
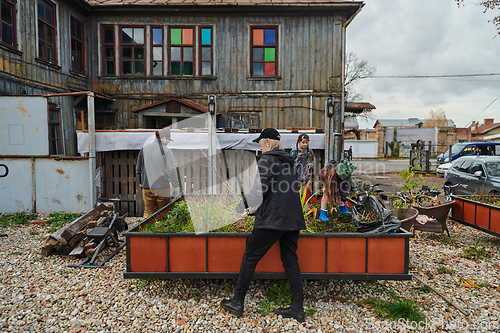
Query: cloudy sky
x: 427, y: 37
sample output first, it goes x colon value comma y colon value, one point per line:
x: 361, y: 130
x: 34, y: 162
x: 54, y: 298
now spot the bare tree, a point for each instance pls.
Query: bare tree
x: 436, y: 119
x: 488, y: 5
x: 355, y: 69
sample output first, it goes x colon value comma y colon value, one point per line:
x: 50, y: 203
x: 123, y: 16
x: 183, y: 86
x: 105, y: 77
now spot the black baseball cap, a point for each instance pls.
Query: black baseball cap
x: 268, y: 133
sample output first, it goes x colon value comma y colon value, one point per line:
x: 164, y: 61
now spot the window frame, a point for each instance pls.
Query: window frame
x: 121, y: 46
x: 200, y: 53
x: 53, y: 26
x: 151, y: 45
x: 276, y: 27
x: 59, y: 139
x: 182, y: 46
x: 104, y: 45
x: 82, y: 42
x: 13, y: 25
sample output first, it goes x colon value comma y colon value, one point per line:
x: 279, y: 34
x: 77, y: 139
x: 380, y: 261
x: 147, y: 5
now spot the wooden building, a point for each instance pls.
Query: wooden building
x: 269, y: 63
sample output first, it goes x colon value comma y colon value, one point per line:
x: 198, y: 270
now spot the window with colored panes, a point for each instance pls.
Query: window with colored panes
x: 77, y: 46
x: 157, y: 50
x: 264, y: 43
x: 46, y: 30
x: 132, y: 51
x: 108, y: 50
x: 181, y: 50
x: 8, y: 22
x: 206, y: 51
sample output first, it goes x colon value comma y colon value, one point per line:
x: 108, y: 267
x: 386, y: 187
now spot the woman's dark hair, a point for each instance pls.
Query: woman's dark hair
x: 300, y: 138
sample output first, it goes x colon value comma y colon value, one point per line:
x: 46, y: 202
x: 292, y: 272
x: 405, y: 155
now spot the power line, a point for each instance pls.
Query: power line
x: 425, y: 76
x: 483, y: 110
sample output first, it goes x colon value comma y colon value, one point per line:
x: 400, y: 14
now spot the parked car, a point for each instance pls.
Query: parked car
x: 475, y: 174
x: 441, y: 169
x: 469, y: 148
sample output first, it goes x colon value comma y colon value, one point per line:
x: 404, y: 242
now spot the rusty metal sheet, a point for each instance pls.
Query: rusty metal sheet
x: 62, y: 185
x: 16, y: 187
x: 44, y: 185
x: 23, y: 125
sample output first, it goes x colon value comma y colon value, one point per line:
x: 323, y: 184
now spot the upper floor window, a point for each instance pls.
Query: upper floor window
x: 77, y: 46
x: 173, y: 51
x: 157, y: 50
x: 132, y: 50
x: 206, y: 50
x: 264, y: 51
x: 8, y: 22
x: 181, y: 51
x: 108, y: 49
x: 47, y: 31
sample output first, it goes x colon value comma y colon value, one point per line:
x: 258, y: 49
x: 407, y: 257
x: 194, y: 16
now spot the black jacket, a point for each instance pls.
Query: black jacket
x: 278, y: 188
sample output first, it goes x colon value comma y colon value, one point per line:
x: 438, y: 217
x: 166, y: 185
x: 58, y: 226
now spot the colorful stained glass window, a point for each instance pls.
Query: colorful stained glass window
x: 132, y: 50
x: 157, y: 51
x: 264, y: 51
x: 182, y: 53
x: 206, y: 51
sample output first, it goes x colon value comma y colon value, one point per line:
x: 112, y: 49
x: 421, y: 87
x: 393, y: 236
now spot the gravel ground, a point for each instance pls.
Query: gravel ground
x: 40, y: 294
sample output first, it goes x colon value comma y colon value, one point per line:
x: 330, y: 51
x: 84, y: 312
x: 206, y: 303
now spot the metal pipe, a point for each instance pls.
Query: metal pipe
x: 276, y: 91
x: 92, y: 152
x: 311, y: 111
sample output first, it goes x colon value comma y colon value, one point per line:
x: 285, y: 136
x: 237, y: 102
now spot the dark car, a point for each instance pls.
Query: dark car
x: 474, y: 174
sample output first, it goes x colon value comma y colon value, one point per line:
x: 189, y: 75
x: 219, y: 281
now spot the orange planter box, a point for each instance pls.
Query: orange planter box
x: 476, y: 214
x: 348, y: 256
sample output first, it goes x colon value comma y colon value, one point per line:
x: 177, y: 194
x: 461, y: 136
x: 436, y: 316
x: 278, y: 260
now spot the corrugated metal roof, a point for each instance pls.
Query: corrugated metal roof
x: 198, y: 2
x: 410, y: 122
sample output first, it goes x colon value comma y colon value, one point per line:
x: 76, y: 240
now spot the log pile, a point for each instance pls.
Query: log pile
x: 71, y: 239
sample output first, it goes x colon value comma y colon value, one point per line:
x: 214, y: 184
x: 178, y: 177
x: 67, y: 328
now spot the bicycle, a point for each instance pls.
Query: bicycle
x: 448, y: 190
x: 365, y: 191
x: 425, y: 194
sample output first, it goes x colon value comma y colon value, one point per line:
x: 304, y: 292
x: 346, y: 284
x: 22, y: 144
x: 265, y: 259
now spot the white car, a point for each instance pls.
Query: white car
x: 443, y: 168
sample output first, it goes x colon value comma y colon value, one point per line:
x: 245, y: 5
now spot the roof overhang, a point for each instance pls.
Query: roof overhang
x: 186, y: 102
x: 347, y: 8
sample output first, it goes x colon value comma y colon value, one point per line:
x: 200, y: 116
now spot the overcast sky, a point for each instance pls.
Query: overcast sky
x: 427, y: 37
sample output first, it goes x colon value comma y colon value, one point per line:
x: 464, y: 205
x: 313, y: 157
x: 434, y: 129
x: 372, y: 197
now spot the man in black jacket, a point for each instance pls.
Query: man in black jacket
x: 278, y: 217
x: 155, y: 171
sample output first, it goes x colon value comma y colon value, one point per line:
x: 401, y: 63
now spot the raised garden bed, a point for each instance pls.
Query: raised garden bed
x: 480, y: 215
x: 215, y: 255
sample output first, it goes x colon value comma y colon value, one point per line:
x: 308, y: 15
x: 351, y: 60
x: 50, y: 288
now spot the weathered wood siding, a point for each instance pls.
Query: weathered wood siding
x: 21, y: 72
x: 309, y: 58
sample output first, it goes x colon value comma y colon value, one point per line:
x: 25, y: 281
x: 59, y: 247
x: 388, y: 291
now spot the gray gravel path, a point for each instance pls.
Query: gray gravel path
x: 42, y: 295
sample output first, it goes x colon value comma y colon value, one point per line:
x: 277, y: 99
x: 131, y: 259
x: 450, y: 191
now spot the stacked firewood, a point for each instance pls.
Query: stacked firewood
x: 72, y: 238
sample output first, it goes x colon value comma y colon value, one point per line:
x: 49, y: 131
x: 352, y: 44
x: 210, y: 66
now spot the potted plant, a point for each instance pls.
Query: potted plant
x: 413, y: 182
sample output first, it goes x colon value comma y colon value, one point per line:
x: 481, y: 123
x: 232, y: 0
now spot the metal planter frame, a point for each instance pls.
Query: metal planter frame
x: 476, y: 214
x: 339, y: 256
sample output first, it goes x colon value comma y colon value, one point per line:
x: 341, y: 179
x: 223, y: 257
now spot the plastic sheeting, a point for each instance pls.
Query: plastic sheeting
x: 385, y: 222
x: 136, y: 139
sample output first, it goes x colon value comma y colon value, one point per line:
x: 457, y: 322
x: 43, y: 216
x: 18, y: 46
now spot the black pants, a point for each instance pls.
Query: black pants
x: 259, y: 243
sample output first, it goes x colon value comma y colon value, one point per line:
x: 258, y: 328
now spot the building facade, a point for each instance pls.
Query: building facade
x: 268, y: 63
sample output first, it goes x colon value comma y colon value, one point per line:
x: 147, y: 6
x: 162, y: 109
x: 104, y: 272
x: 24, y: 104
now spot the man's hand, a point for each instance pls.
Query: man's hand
x: 175, y: 192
